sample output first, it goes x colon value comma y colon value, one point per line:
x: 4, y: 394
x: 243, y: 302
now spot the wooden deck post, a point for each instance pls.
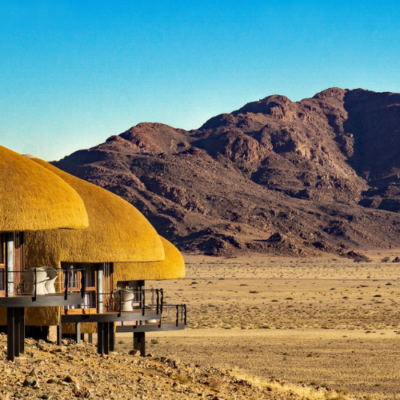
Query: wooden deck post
x: 17, y: 331
x: 22, y: 330
x: 106, y: 334
x: 105, y: 337
x: 59, y: 330
x: 100, y: 338
x: 111, y: 335
x: 90, y: 338
x: 139, y: 342
x: 78, y: 332
x: 10, y: 334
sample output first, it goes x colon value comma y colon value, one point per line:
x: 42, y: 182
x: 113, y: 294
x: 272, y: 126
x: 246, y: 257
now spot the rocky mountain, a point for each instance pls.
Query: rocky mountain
x: 275, y: 176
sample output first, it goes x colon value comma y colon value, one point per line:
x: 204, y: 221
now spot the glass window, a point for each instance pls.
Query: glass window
x: 90, y: 299
x: 2, y: 280
x: 90, y: 274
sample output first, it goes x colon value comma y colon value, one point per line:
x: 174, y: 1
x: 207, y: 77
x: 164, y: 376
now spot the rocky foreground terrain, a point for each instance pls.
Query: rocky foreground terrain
x: 275, y: 176
x: 47, y: 371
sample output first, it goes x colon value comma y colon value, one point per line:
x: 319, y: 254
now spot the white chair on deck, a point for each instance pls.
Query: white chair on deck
x: 28, y: 281
x: 52, y: 275
x: 123, y: 299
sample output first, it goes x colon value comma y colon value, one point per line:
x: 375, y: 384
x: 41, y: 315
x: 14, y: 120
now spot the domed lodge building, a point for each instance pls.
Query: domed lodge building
x: 75, y: 258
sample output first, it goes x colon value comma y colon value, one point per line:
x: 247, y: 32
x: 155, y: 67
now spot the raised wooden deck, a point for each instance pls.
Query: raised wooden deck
x: 45, y: 300
x: 165, y: 326
x: 110, y: 316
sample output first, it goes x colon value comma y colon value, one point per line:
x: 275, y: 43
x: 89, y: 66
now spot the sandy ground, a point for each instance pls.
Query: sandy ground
x: 322, y: 322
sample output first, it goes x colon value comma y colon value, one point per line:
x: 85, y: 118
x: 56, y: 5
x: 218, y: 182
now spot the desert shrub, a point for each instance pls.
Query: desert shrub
x: 181, y: 378
x: 215, y: 383
x: 335, y: 396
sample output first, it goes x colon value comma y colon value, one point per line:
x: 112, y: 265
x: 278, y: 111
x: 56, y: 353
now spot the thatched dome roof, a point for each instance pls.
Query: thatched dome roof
x: 117, y: 231
x: 32, y: 198
x: 172, y: 267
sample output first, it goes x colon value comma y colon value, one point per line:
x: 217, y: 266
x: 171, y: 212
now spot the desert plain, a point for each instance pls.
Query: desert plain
x: 322, y: 322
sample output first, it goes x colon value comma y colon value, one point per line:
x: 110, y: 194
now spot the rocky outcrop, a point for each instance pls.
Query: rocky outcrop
x: 322, y: 170
x: 75, y: 371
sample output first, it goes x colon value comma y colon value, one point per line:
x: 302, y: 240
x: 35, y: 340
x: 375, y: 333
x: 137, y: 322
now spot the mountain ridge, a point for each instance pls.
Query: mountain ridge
x: 274, y: 176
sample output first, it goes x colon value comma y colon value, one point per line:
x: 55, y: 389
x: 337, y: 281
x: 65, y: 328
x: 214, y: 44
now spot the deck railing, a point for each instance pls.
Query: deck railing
x: 174, y: 313
x: 171, y: 314
x: 41, y: 282
x: 132, y: 300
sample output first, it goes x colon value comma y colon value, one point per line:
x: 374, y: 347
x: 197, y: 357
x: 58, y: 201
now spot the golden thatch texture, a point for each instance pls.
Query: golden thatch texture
x: 117, y: 232
x: 36, y: 316
x: 42, y: 316
x: 86, y: 327
x: 32, y: 198
x: 172, y: 267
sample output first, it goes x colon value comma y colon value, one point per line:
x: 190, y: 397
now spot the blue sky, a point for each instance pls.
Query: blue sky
x: 73, y: 73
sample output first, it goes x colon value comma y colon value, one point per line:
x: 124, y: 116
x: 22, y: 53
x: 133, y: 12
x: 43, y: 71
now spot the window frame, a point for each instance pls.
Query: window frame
x: 107, y: 284
x: 3, y: 250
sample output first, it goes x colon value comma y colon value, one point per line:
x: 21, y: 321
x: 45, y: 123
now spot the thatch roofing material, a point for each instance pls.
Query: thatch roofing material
x: 36, y: 316
x: 39, y: 316
x: 32, y: 198
x: 172, y: 267
x: 86, y: 327
x: 117, y: 231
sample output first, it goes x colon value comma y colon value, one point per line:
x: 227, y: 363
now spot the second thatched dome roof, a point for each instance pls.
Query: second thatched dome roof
x: 173, y: 267
x: 117, y: 231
